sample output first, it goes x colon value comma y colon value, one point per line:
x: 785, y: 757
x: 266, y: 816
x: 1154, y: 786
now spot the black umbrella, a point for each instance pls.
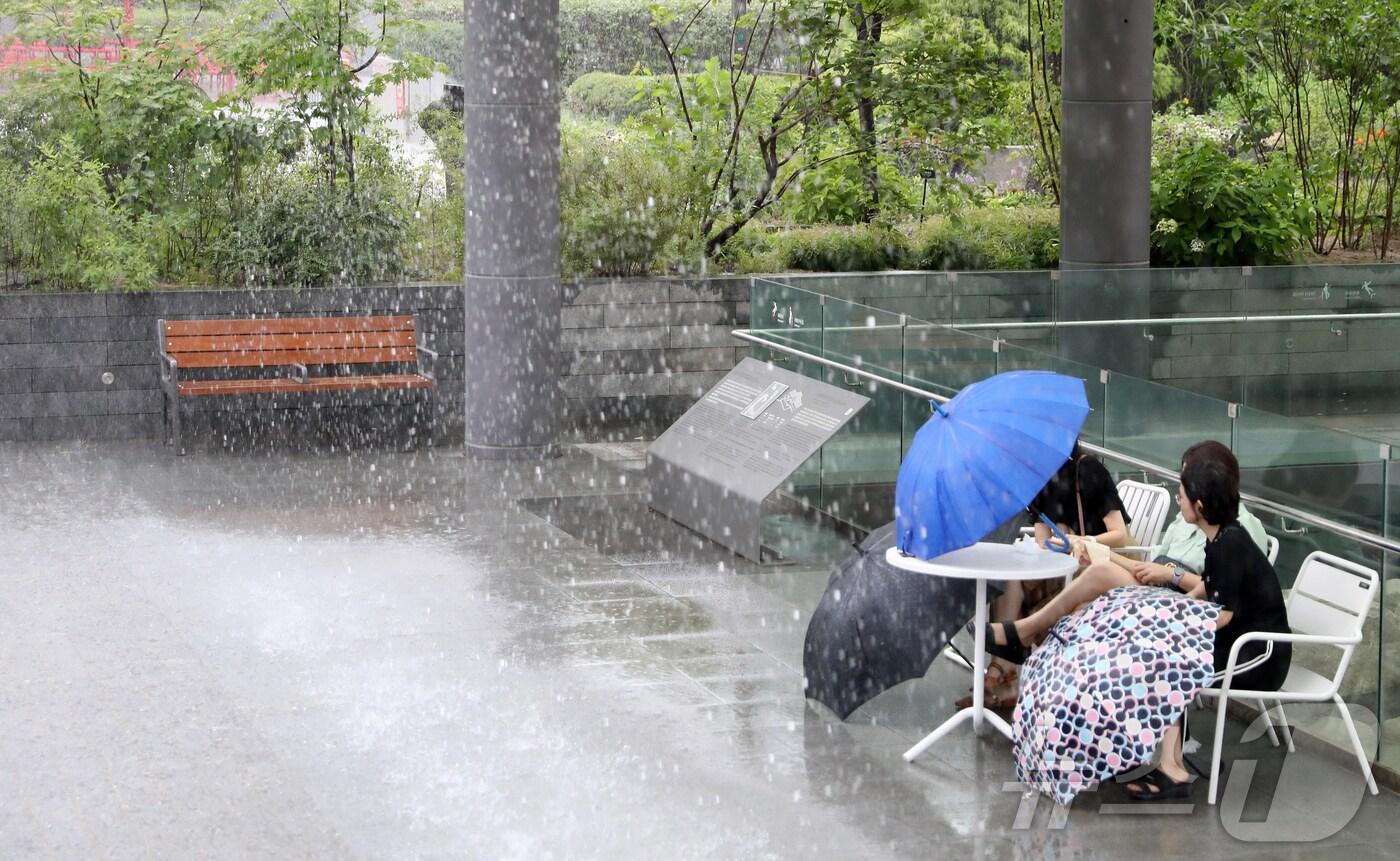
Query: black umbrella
x: 877, y: 625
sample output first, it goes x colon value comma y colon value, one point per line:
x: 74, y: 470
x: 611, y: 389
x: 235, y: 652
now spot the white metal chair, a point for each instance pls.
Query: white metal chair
x: 1147, y: 506
x: 1327, y: 606
x: 1272, y: 551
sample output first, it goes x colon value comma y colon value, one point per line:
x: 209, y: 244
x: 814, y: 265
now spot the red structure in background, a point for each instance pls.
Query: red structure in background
x: 212, y: 78
x: 43, y: 55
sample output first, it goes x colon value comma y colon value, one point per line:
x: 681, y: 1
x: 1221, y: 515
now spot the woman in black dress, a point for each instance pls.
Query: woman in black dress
x: 1239, y: 578
x: 1082, y: 500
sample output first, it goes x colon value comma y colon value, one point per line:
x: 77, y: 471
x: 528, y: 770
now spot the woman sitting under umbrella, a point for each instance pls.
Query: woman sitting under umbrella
x: 1182, y: 544
x: 1083, y: 501
x: 1236, y: 575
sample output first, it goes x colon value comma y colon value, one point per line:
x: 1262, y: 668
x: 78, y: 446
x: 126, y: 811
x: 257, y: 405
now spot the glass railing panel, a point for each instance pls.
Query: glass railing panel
x: 1312, y: 468
x: 981, y: 297
x: 943, y: 360
x: 1157, y: 423
x: 1196, y: 292
x: 1386, y: 649
x: 792, y: 317
x: 940, y: 360
x: 786, y: 314
x: 1012, y: 358
x: 860, y: 462
x: 917, y: 294
x: 1323, y: 288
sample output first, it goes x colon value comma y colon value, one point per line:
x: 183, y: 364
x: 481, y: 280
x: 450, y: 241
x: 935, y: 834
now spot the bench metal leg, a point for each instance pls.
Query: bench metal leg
x: 177, y: 438
x: 431, y: 422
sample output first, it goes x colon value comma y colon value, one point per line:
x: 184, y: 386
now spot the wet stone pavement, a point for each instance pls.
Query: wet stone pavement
x: 392, y: 655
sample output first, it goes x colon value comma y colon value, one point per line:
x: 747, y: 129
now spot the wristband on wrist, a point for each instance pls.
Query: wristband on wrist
x: 1177, y: 573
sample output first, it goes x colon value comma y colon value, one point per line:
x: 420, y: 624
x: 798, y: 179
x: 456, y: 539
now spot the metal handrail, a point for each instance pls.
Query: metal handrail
x: 915, y: 323
x: 1360, y: 535
x: 1183, y: 321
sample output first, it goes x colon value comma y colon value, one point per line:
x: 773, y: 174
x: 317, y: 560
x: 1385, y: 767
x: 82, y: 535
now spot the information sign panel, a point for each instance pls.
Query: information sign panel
x: 713, y: 468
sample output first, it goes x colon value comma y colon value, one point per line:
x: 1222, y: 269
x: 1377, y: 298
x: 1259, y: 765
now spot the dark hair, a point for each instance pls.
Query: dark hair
x: 1210, y: 450
x: 1068, y: 469
x: 1209, y: 483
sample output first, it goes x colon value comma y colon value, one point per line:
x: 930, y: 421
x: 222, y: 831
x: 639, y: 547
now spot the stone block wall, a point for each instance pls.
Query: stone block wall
x: 637, y: 353
x: 83, y: 366
x: 633, y: 354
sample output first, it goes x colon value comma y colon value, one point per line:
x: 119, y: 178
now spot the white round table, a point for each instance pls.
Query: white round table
x: 982, y: 562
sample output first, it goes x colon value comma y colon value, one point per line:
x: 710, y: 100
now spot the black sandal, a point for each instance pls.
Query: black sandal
x: 1013, y: 650
x: 1167, y: 789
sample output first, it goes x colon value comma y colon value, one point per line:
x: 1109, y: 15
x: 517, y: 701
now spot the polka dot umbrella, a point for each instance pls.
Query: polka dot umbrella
x: 1110, y: 679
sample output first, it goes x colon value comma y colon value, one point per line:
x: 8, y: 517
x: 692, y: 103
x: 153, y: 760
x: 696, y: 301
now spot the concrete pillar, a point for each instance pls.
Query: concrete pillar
x: 512, y: 298
x: 1105, y: 176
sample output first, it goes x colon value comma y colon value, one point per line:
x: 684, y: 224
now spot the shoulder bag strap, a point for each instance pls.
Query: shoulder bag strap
x: 1078, y: 498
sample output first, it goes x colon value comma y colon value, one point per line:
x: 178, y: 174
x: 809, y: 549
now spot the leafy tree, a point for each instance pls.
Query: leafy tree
x: 927, y: 93
x: 1325, y: 75
x: 321, y: 57
x: 1187, y: 35
x: 1044, y: 32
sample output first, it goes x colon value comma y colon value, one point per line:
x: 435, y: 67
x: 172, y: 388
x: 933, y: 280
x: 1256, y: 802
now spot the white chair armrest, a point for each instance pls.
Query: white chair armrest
x: 1271, y: 637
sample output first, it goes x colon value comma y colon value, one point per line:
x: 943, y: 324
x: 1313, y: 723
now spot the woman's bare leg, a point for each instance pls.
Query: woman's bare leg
x: 1007, y: 605
x: 1090, y: 584
x: 1171, y: 763
x: 1004, y: 608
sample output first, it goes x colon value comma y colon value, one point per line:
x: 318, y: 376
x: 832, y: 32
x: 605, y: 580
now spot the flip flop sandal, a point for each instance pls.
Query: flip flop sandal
x: 1166, y: 788
x: 994, y: 679
x: 998, y: 692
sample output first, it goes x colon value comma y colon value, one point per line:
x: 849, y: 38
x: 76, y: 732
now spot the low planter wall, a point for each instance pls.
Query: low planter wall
x: 634, y: 354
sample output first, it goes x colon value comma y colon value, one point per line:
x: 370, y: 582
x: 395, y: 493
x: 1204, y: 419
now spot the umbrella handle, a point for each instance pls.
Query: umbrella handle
x: 1058, y: 534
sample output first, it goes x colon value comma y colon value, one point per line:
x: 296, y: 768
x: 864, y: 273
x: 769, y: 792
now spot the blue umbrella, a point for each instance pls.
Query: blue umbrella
x: 983, y: 456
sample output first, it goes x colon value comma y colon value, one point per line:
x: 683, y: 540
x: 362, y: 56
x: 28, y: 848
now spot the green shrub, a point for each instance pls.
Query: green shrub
x: 616, y: 36
x: 622, y: 211
x: 1209, y: 209
x: 990, y: 239
x: 607, y: 96
x: 858, y: 248
x: 297, y: 230
x: 835, y: 192
x: 69, y: 232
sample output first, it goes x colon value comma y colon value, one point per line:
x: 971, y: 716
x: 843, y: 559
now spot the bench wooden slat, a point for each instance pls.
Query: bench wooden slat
x: 288, y: 325
x: 274, y: 358
x: 180, y: 346
x: 314, y: 384
x: 275, y: 344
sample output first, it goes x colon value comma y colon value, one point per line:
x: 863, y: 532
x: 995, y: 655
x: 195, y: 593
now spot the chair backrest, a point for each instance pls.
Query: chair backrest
x: 1147, y: 505
x: 1331, y: 598
x: 1272, y: 551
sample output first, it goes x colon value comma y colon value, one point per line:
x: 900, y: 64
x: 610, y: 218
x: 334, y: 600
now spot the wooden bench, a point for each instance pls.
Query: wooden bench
x: 277, y: 356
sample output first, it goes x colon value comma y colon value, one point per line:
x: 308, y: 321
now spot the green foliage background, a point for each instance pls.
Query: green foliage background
x: 851, y: 152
